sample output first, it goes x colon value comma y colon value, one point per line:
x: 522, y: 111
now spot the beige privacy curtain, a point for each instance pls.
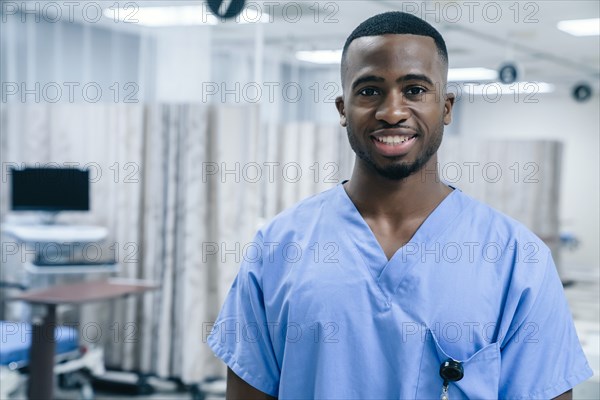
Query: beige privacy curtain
x: 182, y: 189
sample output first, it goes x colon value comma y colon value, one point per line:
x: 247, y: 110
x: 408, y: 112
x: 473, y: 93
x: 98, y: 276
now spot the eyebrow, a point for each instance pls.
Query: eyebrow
x: 374, y: 78
x: 367, y: 78
x: 416, y: 77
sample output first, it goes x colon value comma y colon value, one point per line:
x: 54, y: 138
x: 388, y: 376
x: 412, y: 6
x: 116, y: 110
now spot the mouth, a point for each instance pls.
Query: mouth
x: 394, y: 140
x: 394, y: 145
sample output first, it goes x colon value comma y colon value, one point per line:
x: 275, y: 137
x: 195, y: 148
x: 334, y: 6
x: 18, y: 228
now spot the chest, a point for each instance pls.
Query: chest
x: 390, y: 237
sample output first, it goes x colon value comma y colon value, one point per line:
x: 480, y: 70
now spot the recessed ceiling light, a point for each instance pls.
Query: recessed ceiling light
x: 178, y: 16
x: 580, y: 27
x: 474, y: 74
x: 320, y: 56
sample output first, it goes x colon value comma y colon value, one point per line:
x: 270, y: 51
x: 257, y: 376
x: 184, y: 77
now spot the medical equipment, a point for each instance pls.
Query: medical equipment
x: 69, y: 357
x: 450, y: 371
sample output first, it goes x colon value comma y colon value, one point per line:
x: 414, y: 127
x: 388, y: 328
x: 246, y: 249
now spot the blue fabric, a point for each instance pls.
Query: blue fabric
x: 318, y: 311
x: 15, y: 341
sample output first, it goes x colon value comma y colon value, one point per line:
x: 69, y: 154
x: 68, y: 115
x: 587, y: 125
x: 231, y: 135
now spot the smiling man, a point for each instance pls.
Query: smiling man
x: 391, y: 283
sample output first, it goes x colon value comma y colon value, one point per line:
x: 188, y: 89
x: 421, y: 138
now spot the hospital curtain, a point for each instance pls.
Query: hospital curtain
x: 182, y: 190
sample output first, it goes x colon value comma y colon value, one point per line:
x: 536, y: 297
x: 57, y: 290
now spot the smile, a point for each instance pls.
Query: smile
x: 394, y: 140
x: 394, y: 145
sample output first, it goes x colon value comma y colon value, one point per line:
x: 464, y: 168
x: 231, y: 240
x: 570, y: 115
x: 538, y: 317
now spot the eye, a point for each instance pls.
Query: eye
x: 368, y: 92
x: 415, y: 90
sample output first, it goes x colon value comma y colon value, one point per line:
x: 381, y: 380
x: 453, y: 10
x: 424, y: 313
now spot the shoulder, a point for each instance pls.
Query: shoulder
x: 521, y: 260
x: 301, y: 216
x: 523, y: 263
x: 496, y: 225
x: 283, y: 241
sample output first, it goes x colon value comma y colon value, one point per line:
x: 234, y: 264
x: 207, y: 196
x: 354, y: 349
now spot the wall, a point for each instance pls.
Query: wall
x: 182, y: 63
x: 67, y: 62
x: 71, y: 62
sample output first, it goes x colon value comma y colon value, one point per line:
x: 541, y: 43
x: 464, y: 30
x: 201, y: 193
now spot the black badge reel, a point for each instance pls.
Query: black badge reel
x: 450, y: 371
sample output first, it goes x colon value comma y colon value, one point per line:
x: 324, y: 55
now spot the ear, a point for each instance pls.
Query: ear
x: 339, y: 104
x: 448, y: 104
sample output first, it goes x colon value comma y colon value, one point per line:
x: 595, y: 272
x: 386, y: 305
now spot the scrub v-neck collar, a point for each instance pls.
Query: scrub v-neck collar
x: 389, y: 273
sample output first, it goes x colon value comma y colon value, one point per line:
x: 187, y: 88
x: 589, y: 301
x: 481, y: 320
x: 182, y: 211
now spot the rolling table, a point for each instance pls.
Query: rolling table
x: 41, y: 378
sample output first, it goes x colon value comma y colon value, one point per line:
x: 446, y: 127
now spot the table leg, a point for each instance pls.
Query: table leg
x: 43, y: 347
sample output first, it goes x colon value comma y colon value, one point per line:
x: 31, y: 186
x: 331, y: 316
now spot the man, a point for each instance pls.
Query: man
x: 363, y: 291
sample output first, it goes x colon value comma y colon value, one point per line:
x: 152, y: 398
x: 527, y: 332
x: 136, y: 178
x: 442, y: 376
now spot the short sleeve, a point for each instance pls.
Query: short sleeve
x: 542, y: 358
x: 240, y: 336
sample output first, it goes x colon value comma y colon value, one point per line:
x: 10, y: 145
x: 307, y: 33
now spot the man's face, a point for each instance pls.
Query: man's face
x: 394, y: 104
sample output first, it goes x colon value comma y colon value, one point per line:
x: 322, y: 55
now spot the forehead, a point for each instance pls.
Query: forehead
x: 400, y: 54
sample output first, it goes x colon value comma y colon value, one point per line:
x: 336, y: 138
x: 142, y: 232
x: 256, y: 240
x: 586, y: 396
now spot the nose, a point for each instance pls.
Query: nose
x: 393, y: 109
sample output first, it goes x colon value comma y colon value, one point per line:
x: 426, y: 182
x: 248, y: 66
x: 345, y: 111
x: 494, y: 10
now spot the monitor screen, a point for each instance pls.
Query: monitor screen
x: 50, y: 189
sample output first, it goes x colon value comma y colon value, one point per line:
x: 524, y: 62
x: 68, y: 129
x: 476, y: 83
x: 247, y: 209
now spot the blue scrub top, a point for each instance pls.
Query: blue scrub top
x: 318, y: 312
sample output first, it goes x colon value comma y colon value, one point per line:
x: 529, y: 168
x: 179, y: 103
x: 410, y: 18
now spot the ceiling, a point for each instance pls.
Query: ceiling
x: 477, y: 33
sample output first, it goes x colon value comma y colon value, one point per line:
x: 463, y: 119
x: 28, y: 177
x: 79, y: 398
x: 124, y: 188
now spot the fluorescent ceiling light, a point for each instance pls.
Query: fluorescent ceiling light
x: 471, y: 74
x: 494, y: 89
x: 178, y: 16
x: 320, y: 56
x: 581, y: 27
x: 162, y: 16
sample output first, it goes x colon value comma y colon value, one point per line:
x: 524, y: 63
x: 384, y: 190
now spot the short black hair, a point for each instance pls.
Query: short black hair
x: 395, y: 22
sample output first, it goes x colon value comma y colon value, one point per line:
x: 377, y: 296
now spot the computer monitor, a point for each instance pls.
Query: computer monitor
x: 50, y: 189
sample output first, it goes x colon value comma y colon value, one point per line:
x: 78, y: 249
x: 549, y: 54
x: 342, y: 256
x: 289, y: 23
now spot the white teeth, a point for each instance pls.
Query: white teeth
x: 393, y: 139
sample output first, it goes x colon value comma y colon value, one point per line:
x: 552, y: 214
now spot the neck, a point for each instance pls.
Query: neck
x: 375, y: 196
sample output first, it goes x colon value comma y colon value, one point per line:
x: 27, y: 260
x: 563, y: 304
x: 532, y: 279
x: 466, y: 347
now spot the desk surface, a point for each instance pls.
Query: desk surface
x: 85, y: 291
x: 59, y: 233
x: 70, y: 269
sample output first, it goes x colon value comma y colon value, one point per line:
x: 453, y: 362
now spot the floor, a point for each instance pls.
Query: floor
x: 584, y: 299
